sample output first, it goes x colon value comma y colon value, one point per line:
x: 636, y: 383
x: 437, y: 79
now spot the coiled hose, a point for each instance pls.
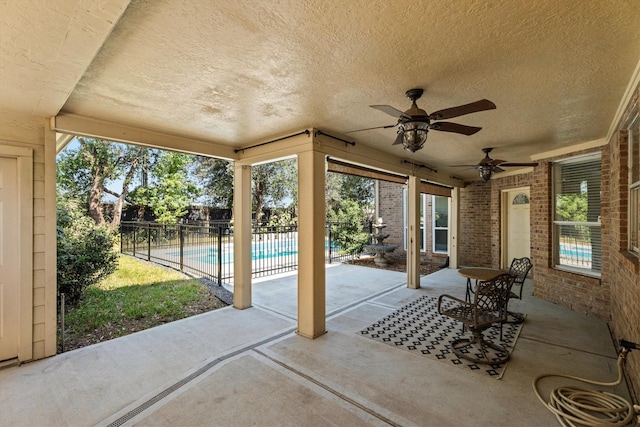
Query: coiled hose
x: 579, y: 407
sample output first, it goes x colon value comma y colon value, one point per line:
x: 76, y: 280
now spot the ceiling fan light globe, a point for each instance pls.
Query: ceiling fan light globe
x: 485, y: 173
x: 414, y: 135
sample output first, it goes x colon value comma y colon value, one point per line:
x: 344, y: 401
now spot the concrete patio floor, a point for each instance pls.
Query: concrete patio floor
x: 248, y: 367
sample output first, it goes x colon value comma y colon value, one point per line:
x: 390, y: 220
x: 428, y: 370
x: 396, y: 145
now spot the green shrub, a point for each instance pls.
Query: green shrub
x: 85, y: 251
x: 346, y: 226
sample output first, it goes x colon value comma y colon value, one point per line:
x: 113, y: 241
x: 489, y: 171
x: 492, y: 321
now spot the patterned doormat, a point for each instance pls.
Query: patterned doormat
x: 417, y: 327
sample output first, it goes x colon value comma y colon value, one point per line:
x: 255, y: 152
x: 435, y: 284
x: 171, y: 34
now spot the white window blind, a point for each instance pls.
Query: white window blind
x: 577, y: 237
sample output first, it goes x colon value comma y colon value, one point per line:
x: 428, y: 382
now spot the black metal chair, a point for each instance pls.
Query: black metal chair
x: 519, y: 269
x: 489, y: 306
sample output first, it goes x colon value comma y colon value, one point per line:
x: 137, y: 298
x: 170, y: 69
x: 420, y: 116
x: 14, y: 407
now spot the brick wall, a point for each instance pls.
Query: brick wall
x: 480, y: 213
x: 475, y: 231
x: 623, y: 271
x: 615, y: 297
x: 391, y: 210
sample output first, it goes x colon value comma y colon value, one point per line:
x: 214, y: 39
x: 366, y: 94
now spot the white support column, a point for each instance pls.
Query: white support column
x: 454, y: 215
x: 413, y: 233
x: 242, y: 236
x: 311, y: 236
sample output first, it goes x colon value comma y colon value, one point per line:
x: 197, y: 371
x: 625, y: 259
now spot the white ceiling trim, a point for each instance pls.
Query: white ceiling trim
x: 634, y: 83
x: 512, y: 172
x: 570, y: 150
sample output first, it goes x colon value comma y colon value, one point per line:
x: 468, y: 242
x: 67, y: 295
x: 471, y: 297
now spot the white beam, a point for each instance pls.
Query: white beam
x: 372, y: 158
x: 93, y: 128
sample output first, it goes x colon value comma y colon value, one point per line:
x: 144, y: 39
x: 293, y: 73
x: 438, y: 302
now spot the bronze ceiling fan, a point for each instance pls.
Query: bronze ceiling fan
x: 488, y: 166
x: 414, y: 123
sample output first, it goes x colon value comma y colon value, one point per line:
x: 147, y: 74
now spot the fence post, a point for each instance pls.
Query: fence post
x: 149, y: 242
x: 135, y: 237
x: 219, y: 255
x: 62, y: 314
x: 330, y: 244
x: 181, y: 239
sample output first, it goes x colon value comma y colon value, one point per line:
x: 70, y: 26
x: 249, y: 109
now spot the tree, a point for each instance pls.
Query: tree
x: 572, y: 207
x: 349, y: 201
x: 170, y: 190
x: 85, y: 250
x: 86, y: 173
x: 341, y: 188
x: 347, y: 227
x: 216, y: 180
x: 273, y: 184
x: 358, y: 189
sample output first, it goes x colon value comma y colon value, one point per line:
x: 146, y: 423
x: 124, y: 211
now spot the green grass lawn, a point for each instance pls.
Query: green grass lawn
x: 137, y: 296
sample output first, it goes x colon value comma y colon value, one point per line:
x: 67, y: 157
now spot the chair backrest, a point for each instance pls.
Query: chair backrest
x: 492, y: 295
x: 520, y: 268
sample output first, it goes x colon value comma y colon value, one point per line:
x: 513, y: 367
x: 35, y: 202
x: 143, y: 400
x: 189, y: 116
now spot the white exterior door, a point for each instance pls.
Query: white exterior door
x: 9, y: 260
x: 518, y: 225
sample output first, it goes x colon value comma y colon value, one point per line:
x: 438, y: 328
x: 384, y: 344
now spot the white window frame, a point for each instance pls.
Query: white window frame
x: 433, y: 224
x: 634, y: 183
x: 557, y: 223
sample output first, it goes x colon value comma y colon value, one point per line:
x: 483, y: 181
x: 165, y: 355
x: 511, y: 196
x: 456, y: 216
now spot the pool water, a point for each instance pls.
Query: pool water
x: 260, y: 251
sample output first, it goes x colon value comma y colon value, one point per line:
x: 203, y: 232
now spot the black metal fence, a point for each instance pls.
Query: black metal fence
x: 194, y: 249
x: 207, y: 250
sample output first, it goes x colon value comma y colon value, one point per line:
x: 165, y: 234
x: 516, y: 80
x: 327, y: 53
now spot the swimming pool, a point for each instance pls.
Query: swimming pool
x: 259, y: 251
x: 577, y: 252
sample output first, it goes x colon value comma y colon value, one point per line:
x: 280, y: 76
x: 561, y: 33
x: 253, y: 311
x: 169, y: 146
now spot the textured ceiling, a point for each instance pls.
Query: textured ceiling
x: 237, y: 72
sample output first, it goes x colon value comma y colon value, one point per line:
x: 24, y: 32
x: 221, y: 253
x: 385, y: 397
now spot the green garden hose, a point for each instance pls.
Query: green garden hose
x: 580, y: 407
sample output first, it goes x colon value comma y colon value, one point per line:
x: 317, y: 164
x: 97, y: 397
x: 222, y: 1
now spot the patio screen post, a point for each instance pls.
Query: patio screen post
x: 311, y: 238
x: 181, y: 243
x: 330, y: 243
x: 219, y: 255
x: 413, y: 232
x: 242, y: 236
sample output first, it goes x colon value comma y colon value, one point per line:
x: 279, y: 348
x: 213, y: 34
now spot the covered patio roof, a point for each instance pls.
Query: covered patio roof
x: 212, y: 77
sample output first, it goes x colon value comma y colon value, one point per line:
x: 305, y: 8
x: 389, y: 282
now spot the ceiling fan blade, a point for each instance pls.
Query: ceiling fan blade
x: 498, y: 169
x: 464, y: 166
x: 391, y: 111
x: 398, y: 139
x: 496, y: 162
x: 376, y: 127
x: 454, y: 127
x: 461, y: 110
x: 510, y: 164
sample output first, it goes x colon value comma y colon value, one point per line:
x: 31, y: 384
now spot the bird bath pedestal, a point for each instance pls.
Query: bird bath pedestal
x: 379, y: 247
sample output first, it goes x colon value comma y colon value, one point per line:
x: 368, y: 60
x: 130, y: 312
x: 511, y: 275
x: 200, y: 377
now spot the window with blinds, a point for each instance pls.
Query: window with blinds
x: 577, y: 238
x: 440, y: 224
x: 634, y: 185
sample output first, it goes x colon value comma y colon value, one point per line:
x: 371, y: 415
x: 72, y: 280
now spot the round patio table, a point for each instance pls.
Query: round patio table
x: 477, y: 274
